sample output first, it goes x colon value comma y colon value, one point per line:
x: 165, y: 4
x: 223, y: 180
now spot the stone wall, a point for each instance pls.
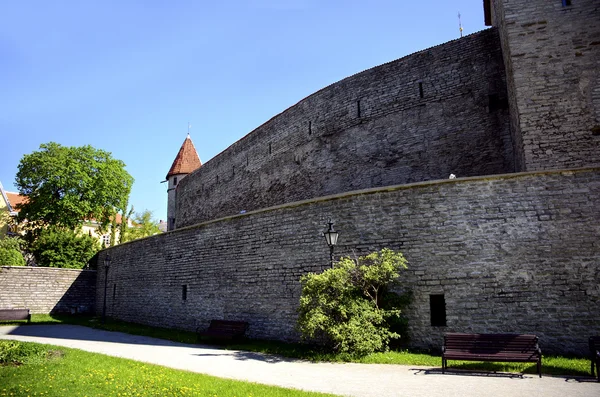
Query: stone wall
x: 422, y: 117
x: 47, y: 289
x: 510, y: 253
x: 552, y: 58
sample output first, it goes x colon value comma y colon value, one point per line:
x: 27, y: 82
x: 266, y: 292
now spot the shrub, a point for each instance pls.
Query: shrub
x: 345, y: 307
x: 57, y: 247
x: 18, y: 353
x: 10, y: 252
x: 11, y: 257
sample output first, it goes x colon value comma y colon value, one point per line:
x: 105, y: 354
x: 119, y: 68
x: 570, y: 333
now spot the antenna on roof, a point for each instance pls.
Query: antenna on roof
x: 460, y: 25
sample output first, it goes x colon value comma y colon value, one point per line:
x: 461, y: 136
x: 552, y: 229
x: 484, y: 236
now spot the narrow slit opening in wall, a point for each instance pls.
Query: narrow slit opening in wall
x: 421, y: 89
x: 270, y: 148
x: 175, y: 181
x: 184, y: 292
x: 114, y: 290
x: 358, y: 108
x: 566, y: 3
x: 233, y: 170
x: 310, y: 128
x: 437, y: 306
x: 217, y: 179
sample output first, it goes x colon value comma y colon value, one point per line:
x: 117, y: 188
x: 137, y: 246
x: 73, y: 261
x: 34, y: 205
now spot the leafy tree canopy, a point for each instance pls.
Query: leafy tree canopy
x: 66, y: 185
x: 345, y: 307
x: 144, y: 226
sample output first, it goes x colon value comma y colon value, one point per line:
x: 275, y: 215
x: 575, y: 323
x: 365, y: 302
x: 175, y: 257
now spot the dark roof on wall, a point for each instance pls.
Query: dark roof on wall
x: 187, y: 159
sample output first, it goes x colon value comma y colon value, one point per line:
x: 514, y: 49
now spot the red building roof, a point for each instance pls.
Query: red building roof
x: 187, y: 159
x: 14, y: 199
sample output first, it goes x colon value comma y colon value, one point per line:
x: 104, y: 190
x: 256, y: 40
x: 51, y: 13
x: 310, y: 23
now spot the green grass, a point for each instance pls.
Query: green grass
x: 72, y: 372
x: 551, y: 365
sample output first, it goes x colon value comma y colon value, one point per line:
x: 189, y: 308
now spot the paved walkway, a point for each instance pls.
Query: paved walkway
x: 367, y: 380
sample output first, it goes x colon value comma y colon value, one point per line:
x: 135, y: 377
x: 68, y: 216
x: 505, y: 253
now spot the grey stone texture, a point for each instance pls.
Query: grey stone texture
x: 46, y: 290
x: 510, y: 253
x: 369, y: 130
x: 552, y: 58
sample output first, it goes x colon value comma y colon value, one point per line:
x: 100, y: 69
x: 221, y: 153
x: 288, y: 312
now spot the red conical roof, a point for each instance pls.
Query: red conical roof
x: 187, y: 159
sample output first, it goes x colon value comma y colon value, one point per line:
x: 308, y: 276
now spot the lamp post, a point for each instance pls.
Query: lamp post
x: 106, y: 266
x: 331, y: 236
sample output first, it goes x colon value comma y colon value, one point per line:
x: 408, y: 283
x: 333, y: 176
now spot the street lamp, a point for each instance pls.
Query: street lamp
x: 331, y: 236
x: 106, y: 266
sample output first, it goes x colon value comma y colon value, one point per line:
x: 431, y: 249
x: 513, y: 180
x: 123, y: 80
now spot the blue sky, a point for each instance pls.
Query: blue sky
x: 127, y: 76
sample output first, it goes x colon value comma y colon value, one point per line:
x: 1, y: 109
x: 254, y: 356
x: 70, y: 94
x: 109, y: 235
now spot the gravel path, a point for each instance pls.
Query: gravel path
x: 376, y: 380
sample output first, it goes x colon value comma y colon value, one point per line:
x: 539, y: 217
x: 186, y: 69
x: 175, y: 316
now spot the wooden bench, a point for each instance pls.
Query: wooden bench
x: 15, y: 314
x: 225, y: 330
x: 595, y: 355
x: 491, y: 347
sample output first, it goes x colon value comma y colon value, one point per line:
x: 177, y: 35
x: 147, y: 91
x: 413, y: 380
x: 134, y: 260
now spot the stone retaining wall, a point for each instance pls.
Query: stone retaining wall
x: 510, y: 253
x: 47, y: 289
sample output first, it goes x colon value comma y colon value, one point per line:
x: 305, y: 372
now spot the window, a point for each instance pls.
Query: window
x: 566, y: 3
x: 175, y: 181
x: 437, y: 305
x: 184, y: 292
x: 106, y: 240
x: 421, y: 94
x: 114, y: 291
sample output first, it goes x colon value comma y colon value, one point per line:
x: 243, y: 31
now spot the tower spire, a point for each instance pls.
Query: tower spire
x: 460, y: 28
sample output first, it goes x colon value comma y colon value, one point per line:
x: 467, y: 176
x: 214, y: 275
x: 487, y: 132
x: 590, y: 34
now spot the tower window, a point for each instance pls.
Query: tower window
x: 566, y: 3
x: 175, y: 181
x: 421, y: 89
x: 437, y: 305
x: 184, y: 292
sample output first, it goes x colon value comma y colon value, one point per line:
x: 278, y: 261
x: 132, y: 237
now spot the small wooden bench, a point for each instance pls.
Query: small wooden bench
x: 595, y: 355
x: 491, y: 347
x: 15, y: 314
x: 225, y: 330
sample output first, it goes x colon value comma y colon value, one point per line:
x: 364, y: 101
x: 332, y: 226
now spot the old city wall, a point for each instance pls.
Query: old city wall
x: 552, y: 58
x: 47, y: 289
x: 422, y: 117
x: 510, y: 253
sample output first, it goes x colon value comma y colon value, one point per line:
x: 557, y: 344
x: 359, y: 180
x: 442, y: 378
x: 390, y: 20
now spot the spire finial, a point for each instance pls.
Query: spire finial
x: 460, y: 25
x: 189, y: 126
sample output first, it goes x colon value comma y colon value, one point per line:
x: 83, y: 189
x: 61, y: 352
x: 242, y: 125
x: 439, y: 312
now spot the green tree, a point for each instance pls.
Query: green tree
x: 61, y: 247
x: 344, y: 307
x: 144, y: 226
x: 66, y: 185
x: 10, y: 252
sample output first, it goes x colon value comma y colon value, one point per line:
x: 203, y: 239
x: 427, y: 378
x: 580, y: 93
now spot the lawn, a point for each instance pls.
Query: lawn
x: 31, y: 369
x: 551, y: 365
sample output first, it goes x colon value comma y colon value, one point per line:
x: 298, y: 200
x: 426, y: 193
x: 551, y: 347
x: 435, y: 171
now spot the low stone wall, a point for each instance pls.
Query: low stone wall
x: 47, y: 289
x: 510, y: 253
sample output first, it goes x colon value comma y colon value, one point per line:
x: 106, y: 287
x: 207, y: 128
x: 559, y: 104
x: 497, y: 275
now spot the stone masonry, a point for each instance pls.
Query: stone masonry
x: 46, y: 290
x: 496, y: 250
x: 552, y: 56
x: 510, y: 253
x: 438, y: 112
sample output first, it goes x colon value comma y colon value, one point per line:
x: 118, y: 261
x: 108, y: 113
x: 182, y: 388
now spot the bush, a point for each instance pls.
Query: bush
x: 57, y: 247
x: 11, y: 257
x: 18, y: 353
x: 10, y: 252
x: 345, y: 307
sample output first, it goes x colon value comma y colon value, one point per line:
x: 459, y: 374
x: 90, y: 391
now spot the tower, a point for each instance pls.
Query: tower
x: 185, y: 162
x: 552, y: 57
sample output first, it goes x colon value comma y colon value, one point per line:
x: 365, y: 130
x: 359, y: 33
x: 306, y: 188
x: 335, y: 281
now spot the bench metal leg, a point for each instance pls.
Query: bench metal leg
x: 539, y: 367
